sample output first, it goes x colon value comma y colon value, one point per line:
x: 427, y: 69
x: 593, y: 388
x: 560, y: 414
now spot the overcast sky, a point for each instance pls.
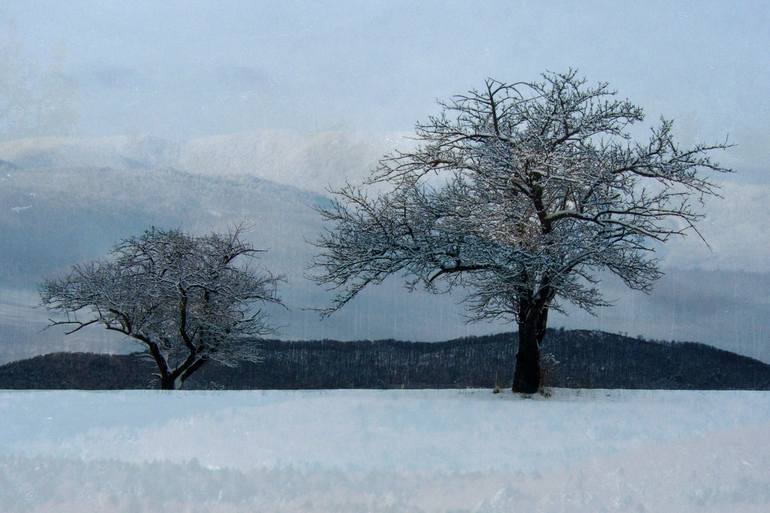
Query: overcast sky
x: 183, y: 69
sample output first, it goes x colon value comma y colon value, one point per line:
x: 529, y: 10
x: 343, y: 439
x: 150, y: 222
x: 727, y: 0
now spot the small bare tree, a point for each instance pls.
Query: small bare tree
x: 185, y: 298
x: 518, y: 194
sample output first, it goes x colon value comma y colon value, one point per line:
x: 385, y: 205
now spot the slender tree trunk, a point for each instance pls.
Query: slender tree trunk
x: 167, y: 382
x: 175, y: 379
x: 200, y: 362
x: 165, y: 374
x: 526, y: 377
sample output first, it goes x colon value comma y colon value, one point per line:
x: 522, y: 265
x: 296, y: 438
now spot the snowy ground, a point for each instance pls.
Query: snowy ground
x: 384, y: 451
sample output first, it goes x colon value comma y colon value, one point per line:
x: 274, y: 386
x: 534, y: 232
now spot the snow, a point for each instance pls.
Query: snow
x: 396, y: 450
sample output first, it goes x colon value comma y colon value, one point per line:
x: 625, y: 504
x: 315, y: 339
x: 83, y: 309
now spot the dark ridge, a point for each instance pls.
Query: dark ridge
x: 584, y: 359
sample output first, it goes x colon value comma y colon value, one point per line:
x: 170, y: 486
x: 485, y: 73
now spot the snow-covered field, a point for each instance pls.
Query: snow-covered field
x: 381, y: 451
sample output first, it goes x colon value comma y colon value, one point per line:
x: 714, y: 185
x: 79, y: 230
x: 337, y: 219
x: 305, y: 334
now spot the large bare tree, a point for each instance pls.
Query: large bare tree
x: 187, y: 299
x: 518, y: 194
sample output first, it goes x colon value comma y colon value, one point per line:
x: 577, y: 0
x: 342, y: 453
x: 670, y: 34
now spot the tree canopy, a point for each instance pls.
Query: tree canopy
x: 519, y: 193
x: 186, y: 298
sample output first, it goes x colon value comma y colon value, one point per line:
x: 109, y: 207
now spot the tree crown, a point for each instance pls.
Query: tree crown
x: 179, y: 294
x: 520, y: 193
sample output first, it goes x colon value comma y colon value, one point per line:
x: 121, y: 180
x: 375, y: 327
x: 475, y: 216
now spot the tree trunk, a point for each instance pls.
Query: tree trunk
x: 166, y: 378
x: 526, y: 377
x: 191, y: 369
x: 168, y: 382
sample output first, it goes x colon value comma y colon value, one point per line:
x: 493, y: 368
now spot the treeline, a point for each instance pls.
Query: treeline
x: 576, y: 359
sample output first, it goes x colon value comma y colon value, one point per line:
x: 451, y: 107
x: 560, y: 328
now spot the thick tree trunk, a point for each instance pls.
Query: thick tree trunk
x: 526, y: 377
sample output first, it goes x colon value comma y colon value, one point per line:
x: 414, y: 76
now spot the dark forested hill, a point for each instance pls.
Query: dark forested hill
x: 586, y: 359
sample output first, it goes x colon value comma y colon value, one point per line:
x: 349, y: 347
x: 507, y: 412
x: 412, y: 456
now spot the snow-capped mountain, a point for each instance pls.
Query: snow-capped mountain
x: 311, y: 161
x: 66, y: 200
x: 54, y: 216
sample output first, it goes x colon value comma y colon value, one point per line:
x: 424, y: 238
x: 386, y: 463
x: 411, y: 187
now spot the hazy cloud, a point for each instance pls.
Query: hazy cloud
x: 109, y: 76
x: 379, y: 66
x: 244, y: 77
x: 308, y: 94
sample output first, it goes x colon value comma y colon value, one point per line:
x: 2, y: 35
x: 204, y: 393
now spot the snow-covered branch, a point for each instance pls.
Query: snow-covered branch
x: 181, y: 296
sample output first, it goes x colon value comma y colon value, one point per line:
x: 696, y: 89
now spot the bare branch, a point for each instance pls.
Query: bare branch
x: 518, y: 194
x: 186, y: 298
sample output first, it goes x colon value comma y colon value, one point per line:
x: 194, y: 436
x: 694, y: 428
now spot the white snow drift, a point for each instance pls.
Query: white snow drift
x: 353, y: 451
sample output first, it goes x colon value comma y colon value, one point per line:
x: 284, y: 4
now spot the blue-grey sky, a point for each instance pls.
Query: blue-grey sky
x: 311, y: 93
x: 191, y: 68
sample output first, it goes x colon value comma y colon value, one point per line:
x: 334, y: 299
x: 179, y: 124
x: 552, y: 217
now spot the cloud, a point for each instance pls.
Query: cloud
x: 727, y: 309
x: 244, y: 77
x: 736, y: 230
x: 718, y: 296
x: 108, y: 76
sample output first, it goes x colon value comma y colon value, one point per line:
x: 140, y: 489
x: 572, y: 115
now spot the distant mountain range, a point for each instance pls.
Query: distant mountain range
x: 51, y: 218
x: 581, y: 359
x: 66, y: 200
x: 309, y: 161
x: 54, y: 217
